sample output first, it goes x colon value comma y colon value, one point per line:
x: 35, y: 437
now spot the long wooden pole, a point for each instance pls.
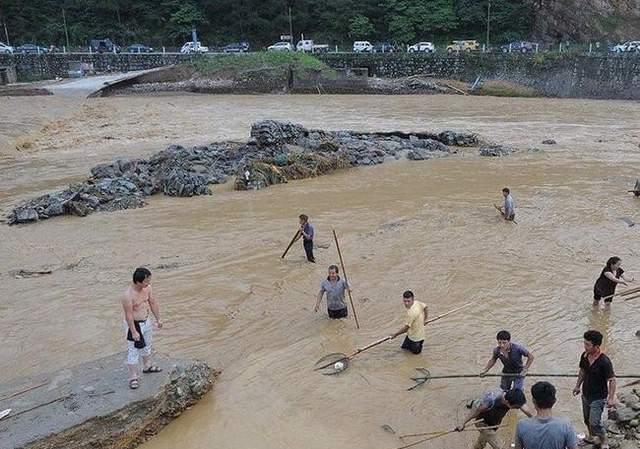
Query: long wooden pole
x: 17, y: 393
x: 449, y: 312
x: 344, y: 273
x: 293, y: 240
x: 626, y: 292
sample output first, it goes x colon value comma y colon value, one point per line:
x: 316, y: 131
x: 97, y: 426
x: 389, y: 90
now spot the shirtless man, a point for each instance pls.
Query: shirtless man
x: 137, y: 301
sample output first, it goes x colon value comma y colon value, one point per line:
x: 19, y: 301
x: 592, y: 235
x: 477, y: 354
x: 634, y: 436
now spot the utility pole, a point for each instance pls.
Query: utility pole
x: 488, y: 22
x: 6, y: 33
x: 290, y: 27
x: 66, y: 32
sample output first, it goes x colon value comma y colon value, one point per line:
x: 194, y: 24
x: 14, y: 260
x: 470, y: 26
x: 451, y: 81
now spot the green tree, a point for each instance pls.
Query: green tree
x: 184, y: 18
x: 360, y: 27
x: 401, y: 29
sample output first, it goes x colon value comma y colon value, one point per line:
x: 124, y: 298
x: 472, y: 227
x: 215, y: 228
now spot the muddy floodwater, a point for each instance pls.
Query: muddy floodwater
x: 229, y: 299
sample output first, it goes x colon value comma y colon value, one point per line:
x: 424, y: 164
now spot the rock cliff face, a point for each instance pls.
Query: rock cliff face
x: 587, y: 20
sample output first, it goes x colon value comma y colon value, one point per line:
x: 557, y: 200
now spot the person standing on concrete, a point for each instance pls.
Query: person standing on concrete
x: 138, y: 302
x: 417, y: 316
x: 307, y: 232
x: 597, y: 382
x: 545, y: 431
x: 510, y: 354
x: 490, y: 410
x: 334, y: 287
x: 612, y: 275
x: 509, y: 208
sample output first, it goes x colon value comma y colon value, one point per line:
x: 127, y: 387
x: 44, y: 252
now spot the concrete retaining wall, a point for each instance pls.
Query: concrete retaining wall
x: 561, y: 75
x: 558, y: 75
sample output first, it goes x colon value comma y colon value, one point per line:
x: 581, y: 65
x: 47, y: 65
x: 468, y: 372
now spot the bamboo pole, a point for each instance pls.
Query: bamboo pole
x: 626, y: 292
x: 17, y: 393
x: 344, y: 273
x: 293, y: 240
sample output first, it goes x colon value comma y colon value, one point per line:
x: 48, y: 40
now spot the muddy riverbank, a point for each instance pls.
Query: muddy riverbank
x: 230, y: 300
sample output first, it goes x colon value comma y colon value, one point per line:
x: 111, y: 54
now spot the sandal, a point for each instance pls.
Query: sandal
x: 134, y: 384
x: 152, y: 369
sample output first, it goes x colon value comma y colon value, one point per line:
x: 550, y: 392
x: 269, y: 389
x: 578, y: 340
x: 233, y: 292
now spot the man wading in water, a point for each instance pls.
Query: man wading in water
x: 510, y: 354
x: 138, y: 300
x: 597, y: 382
x: 610, y: 277
x: 307, y: 233
x: 417, y: 315
x: 491, y: 409
x: 509, y: 210
x: 334, y: 287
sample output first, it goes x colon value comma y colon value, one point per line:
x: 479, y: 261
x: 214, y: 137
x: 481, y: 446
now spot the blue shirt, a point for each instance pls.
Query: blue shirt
x: 513, y: 360
x: 509, y: 206
x: 308, y: 229
x: 546, y: 433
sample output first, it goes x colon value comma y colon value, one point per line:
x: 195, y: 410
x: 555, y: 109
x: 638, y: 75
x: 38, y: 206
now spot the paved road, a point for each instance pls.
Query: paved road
x: 86, y: 86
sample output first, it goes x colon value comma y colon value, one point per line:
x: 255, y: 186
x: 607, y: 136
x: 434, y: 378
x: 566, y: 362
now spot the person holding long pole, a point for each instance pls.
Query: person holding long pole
x: 489, y: 411
x: 334, y: 287
x: 605, y: 287
x: 417, y: 317
x: 307, y: 232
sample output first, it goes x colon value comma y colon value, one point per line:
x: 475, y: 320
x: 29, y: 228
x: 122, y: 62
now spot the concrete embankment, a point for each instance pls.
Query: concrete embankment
x: 91, y: 405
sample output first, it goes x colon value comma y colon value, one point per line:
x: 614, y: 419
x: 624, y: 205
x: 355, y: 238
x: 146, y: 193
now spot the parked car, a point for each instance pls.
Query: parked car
x: 236, y: 47
x: 629, y: 46
x: 6, y: 49
x: 465, y: 45
x: 362, y: 47
x: 280, y: 46
x: 308, y: 46
x: 422, y: 47
x: 190, y: 47
x: 384, y: 47
x: 105, y: 45
x: 30, y: 49
x: 139, y: 48
x: 519, y: 46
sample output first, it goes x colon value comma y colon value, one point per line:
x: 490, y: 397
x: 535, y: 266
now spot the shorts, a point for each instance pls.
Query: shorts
x: 133, y: 353
x: 508, y: 382
x: 597, y: 296
x: 592, y: 412
x: 413, y: 346
x: 340, y: 313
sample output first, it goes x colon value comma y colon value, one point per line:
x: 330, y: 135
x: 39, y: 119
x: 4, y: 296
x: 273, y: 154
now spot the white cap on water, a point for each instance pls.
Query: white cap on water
x: 339, y: 366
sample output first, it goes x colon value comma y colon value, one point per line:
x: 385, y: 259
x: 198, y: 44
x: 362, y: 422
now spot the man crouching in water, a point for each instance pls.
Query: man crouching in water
x: 138, y: 300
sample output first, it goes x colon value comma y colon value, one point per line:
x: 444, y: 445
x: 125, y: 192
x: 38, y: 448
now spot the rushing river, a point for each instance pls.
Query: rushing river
x: 229, y: 299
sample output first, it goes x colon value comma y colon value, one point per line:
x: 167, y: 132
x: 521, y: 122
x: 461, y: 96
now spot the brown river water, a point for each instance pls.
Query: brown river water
x: 229, y: 299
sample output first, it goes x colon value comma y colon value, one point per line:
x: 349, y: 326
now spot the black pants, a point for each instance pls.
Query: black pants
x: 413, y: 346
x: 340, y: 313
x: 308, y: 248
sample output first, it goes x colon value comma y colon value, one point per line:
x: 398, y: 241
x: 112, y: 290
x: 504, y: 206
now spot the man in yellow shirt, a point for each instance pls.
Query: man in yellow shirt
x: 417, y: 315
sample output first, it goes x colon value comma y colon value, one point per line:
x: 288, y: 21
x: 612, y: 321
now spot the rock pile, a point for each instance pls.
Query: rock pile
x: 275, y: 153
x: 623, y: 424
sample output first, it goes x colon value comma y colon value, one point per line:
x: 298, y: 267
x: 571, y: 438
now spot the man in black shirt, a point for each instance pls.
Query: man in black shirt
x: 489, y: 411
x: 597, y: 381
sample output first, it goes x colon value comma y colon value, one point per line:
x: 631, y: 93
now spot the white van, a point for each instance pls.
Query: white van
x: 362, y: 47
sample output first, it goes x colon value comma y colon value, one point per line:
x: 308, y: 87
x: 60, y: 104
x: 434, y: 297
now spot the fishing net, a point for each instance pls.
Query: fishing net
x: 425, y: 377
x: 332, y: 364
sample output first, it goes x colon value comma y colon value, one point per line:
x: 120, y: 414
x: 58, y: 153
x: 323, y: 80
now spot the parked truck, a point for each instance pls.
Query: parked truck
x: 308, y: 46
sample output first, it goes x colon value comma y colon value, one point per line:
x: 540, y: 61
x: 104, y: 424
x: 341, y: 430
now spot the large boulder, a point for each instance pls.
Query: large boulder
x: 273, y: 133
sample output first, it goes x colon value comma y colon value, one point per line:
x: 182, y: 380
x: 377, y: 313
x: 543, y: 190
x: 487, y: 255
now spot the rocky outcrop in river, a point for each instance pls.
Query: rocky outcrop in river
x: 90, y: 406
x: 275, y: 153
